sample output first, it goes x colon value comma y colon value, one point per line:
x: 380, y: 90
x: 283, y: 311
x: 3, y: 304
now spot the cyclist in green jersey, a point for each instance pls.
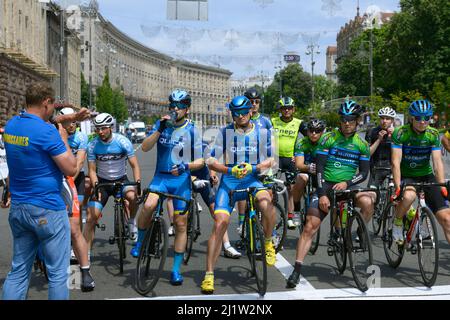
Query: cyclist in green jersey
x: 446, y: 140
x: 412, y: 147
x: 339, y: 155
x: 286, y: 131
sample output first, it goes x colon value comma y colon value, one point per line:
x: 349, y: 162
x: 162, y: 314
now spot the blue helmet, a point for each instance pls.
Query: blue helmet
x: 421, y: 108
x: 240, y: 103
x: 180, y: 98
x: 350, y: 108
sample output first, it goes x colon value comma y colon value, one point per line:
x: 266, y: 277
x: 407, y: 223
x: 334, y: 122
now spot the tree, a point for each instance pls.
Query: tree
x: 119, y: 109
x: 104, y: 98
x: 84, y: 92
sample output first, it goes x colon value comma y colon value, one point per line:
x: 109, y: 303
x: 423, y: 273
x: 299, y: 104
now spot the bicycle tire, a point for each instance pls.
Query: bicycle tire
x: 363, y: 246
x: 119, y: 234
x: 315, y: 243
x: 282, y: 191
x: 394, y: 253
x: 280, y: 229
x: 190, y: 231
x: 154, y: 248
x: 257, y: 254
x: 377, y: 218
x: 429, y: 278
x: 338, y: 245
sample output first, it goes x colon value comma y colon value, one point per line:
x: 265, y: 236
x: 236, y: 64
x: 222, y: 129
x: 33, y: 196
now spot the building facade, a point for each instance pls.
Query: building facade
x: 147, y: 77
x: 25, y: 46
x: 331, y: 65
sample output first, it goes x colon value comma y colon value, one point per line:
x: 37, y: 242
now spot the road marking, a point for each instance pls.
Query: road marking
x: 286, y: 269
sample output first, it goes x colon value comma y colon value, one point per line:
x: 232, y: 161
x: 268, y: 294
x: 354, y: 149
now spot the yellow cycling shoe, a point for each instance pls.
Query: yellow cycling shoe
x: 270, y: 254
x: 208, y: 285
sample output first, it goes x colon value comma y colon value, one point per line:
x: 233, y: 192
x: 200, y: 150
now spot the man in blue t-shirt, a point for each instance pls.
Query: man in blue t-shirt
x: 37, y: 157
x: 179, y: 151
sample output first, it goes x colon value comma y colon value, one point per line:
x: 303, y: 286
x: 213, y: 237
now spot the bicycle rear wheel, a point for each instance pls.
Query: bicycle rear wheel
x: 359, y: 248
x: 191, y: 230
x: 315, y: 243
x: 152, y: 256
x: 336, y: 243
x: 377, y: 218
x: 394, y: 252
x: 427, y: 247
x: 119, y: 234
x: 280, y: 229
x: 257, y: 253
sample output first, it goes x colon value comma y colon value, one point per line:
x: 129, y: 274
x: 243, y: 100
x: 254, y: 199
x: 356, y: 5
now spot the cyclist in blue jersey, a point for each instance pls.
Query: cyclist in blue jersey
x: 179, y: 150
x: 107, y: 157
x: 245, y: 150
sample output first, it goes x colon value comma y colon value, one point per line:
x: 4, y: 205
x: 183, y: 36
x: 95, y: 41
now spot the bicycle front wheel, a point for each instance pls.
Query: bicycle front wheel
x: 191, y: 231
x: 119, y: 234
x: 359, y: 248
x: 152, y: 256
x: 257, y: 253
x: 336, y: 243
x: 315, y: 243
x: 427, y: 247
x: 394, y: 252
x: 280, y: 229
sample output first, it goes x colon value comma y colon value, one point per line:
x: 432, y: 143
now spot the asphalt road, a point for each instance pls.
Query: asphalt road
x: 231, y: 276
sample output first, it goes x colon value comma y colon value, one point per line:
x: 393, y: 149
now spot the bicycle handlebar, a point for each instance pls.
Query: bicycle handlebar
x: 246, y: 190
x: 352, y: 192
x: 421, y: 185
x: 116, y: 185
x: 168, y: 195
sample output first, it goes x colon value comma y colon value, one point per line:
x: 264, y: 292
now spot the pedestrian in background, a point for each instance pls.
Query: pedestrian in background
x: 38, y: 156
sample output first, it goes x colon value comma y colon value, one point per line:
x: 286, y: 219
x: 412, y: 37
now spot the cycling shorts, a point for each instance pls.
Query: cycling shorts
x: 106, y: 192
x: 70, y: 197
x: 176, y: 185
x: 328, y: 189
x: 433, y: 197
x: 206, y: 193
x: 79, y: 183
x: 288, y: 164
x: 229, y: 183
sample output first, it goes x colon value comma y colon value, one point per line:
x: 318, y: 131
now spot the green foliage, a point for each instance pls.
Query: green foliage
x: 104, y: 98
x: 402, y: 100
x: 84, y: 92
x: 149, y: 119
x: 119, y: 109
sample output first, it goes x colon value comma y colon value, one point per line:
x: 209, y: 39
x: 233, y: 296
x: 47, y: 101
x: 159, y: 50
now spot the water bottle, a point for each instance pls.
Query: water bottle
x: 173, y: 118
x: 409, y: 217
x: 344, y: 216
x: 296, y: 218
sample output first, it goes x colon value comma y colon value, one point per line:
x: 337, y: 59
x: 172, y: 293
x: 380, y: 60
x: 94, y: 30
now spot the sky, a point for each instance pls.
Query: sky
x: 250, y: 55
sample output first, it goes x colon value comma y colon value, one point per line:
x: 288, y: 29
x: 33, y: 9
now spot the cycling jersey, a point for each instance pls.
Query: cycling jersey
x: 262, y: 121
x: 176, y: 145
x: 343, y: 156
x: 304, y: 147
x: 286, y: 134
x: 382, y: 156
x: 111, y: 157
x: 78, y: 141
x: 416, y: 149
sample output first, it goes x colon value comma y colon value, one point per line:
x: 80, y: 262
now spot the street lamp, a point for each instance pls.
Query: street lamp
x: 310, y: 52
x: 279, y: 67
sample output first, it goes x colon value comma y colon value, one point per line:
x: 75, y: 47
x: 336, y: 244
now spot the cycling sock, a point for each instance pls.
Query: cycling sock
x: 209, y: 274
x: 268, y: 240
x: 226, y: 245
x: 141, y: 234
x: 290, y: 216
x: 85, y: 268
x: 241, y: 218
x: 177, y: 260
x: 398, y: 222
x: 298, y: 266
x: 131, y: 221
x: 297, y: 206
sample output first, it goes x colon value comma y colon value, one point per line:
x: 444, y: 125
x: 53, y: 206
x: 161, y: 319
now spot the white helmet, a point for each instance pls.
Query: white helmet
x: 66, y: 110
x: 387, y: 112
x: 103, y: 119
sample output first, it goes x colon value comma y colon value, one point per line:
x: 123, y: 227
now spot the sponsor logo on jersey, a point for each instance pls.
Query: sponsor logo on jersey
x: 109, y: 157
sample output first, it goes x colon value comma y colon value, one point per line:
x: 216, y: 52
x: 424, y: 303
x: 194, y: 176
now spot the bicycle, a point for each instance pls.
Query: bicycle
x: 154, y: 246
x: 120, y: 218
x: 252, y: 238
x: 304, y: 206
x: 386, y: 191
x: 193, y: 223
x: 421, y: 235
x: 345, y: 239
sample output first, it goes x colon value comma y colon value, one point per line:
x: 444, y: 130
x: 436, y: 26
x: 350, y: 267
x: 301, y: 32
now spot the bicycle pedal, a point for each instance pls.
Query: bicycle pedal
x: 111, y: 240
x: 330, y: 251
x: 103, y: 227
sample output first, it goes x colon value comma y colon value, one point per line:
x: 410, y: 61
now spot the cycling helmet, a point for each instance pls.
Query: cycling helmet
x: 103, y: 119
x: 252, y: 93
x: 387, y: 112
x: 286, y: 101
x: 66, y: 110
x: 350, y: 108
x: 180, y: 98
x: 316, y: 124
x: 421, y: 108
x: 240, y: 103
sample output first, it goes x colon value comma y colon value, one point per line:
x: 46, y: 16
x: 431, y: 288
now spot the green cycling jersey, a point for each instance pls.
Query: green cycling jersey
x: 343, y: 155
x: 416, y: 149
x: 286, y: 134
x: 304, y: 147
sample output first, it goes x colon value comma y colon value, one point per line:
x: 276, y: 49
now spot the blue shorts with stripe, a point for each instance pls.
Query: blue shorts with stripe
x: 176, y: 185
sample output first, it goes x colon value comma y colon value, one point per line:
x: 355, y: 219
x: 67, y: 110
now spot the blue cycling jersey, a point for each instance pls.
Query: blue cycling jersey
x: 262, y: 122
x: 111, y: 157
x: 203, y: 173
x: 176, y: 145
x: 251, y: 147
x: 78, y: 141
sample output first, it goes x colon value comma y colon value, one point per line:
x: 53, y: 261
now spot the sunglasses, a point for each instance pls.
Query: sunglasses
x: 242, y: 112
x: 179, y: 105
x: 102, y: 128
x: 348, y: 119
x: 287, y: 108
x: 424, y: 118
x: 255, y: 101
x: 315, y: 131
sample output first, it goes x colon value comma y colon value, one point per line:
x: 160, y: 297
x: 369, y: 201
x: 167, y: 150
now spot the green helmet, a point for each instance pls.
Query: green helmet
x: 285, y: 102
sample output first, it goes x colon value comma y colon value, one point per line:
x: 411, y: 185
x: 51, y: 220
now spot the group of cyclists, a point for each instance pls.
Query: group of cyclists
x: 253, y: 145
